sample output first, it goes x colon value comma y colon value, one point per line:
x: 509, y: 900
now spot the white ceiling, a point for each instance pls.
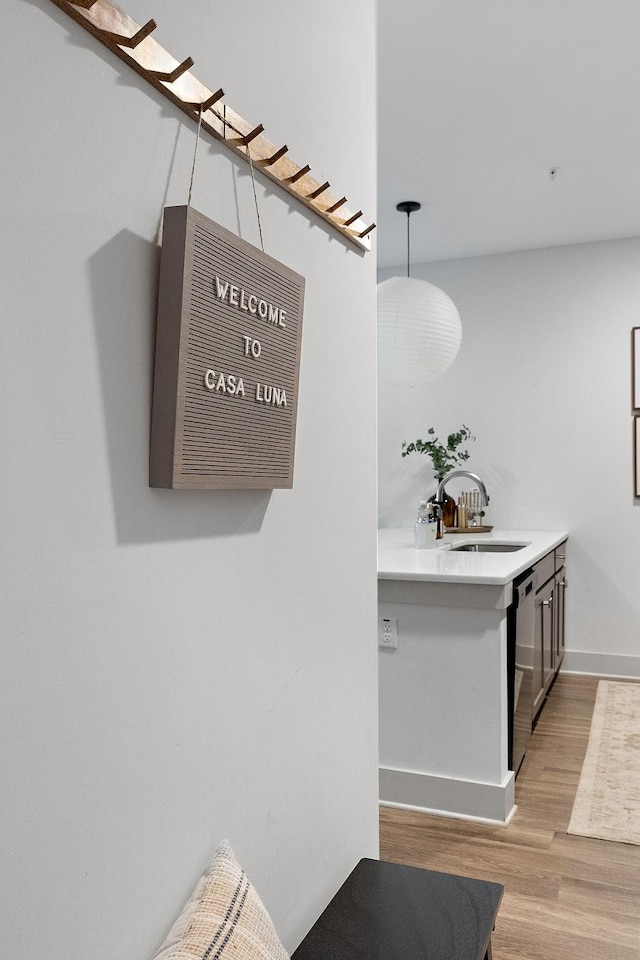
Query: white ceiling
x: 479, y: 99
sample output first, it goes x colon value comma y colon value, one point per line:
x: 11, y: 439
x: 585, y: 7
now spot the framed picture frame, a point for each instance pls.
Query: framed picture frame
x: 635, y: 368
x: 636, y: 456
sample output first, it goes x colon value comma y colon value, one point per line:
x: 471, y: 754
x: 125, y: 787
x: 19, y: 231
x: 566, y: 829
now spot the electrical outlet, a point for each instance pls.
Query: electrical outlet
x: 388, y: 632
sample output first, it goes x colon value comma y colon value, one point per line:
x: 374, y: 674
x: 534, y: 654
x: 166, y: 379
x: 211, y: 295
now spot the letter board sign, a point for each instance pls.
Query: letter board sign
x: 228, y: 342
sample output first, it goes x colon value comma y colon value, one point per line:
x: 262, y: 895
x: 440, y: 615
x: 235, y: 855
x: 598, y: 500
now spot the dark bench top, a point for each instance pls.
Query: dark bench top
x: 386, y: 911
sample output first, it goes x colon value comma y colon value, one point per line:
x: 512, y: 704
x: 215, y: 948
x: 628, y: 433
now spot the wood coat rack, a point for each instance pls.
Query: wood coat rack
x: 135, y: 45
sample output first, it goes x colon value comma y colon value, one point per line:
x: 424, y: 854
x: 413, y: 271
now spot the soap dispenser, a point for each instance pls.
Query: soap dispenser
x: 426, y: 526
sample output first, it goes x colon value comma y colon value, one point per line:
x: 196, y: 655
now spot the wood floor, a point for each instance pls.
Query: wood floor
x: 566, y: 897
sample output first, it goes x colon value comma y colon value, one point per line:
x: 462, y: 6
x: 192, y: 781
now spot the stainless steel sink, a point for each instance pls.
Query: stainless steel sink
x: 488, y: 547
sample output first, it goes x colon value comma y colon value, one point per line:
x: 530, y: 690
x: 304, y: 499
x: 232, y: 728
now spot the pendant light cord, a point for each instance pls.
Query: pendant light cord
x: 408, y: 243
x: 408, y: 207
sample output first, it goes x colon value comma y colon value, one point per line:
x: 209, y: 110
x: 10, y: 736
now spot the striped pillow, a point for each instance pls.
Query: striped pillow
x: 224, y: 919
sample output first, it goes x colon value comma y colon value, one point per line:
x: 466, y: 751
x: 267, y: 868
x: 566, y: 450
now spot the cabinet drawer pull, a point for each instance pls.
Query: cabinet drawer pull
x: 547, y: 603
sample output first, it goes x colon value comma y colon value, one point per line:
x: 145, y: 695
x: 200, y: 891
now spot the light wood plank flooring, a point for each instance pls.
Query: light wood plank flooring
x: 566, y: 897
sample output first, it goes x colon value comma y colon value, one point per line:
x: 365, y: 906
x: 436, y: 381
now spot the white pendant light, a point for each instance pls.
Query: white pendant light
x: 419, y: 330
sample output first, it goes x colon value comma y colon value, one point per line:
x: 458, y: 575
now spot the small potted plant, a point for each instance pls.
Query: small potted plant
x: 445, y: 457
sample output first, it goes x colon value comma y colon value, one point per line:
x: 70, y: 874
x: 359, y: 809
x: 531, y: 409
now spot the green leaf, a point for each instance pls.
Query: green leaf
x: 444, y: 458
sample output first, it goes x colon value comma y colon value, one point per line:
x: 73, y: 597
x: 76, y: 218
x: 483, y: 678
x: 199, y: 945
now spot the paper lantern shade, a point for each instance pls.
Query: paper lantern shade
x: 419, y: 330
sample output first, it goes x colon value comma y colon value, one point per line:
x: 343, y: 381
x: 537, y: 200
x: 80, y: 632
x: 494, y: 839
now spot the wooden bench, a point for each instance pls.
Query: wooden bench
x: 386, y: 911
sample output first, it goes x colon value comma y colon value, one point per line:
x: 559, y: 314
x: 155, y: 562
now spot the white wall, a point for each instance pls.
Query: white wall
x: 543, y: 380
x: 178, y: 667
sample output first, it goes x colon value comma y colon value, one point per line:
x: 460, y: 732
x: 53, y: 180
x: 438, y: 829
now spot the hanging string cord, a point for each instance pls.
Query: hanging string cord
x: 195, y: 153
x: 249, y: 157
x: 226, y: 124
x: 408, y: 245
x: 255, y: 196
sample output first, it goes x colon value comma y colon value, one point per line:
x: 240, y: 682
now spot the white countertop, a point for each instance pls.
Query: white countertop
x: 398, y: 558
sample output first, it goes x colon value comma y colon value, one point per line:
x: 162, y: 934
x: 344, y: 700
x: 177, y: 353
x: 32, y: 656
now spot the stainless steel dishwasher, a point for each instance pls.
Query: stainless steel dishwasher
x: 520, y: 641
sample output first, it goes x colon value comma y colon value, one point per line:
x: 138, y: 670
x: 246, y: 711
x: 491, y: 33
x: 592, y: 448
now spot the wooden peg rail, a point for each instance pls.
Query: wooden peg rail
x: 173, y: 78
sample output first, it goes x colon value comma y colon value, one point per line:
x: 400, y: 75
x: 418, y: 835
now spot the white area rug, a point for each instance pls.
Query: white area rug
x: 607, y: 804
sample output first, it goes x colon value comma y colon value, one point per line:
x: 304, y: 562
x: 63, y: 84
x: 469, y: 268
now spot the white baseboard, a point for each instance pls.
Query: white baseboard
x: 449, y: 815
x: 445, y: 796
x: 610, y: 665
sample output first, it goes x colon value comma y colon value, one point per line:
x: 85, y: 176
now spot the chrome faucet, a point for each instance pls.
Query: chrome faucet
x: 463, y: 473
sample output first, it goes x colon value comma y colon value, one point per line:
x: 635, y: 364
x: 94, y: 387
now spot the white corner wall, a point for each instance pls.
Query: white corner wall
x: 178, y: 667
x: 543, y: 380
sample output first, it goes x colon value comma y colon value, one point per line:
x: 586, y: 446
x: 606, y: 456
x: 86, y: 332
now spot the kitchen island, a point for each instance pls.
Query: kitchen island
x: 444, y: 696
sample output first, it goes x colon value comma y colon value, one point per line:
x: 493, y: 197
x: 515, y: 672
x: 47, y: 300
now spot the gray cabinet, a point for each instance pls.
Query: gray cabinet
x: 543, y: 645
x: 549, y: 643
x: 559, y: 592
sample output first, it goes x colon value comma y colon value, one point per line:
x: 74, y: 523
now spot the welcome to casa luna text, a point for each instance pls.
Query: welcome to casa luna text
x: 217, y: 381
